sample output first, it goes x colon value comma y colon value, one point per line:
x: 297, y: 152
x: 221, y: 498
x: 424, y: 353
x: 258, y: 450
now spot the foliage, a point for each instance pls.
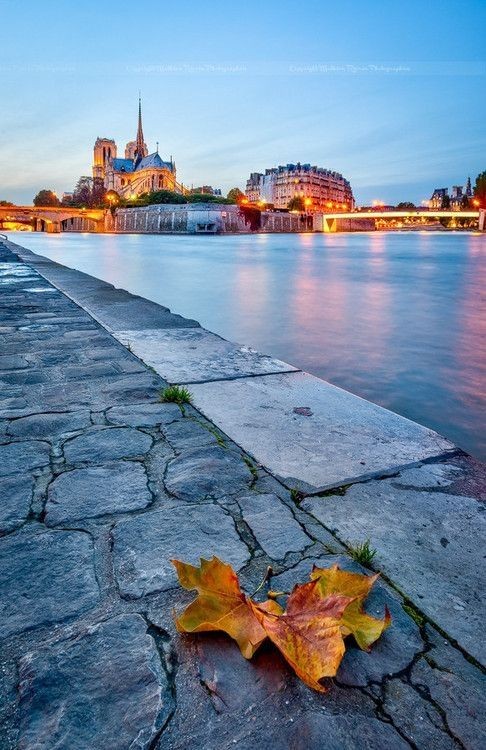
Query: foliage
x: 164, y: 196
x: 445, y: 203
x: 464, y: 202
x: 362, y: 552
x: 46, y: 198
x: 405, y: 206
x: 6, y: 203
x: 309, y: 632
x: 296, y: 203
x: 176, y: 394
x: 480, y: 189
x: 207, y: 198
x: 252, y: 217
x: 235, y: 195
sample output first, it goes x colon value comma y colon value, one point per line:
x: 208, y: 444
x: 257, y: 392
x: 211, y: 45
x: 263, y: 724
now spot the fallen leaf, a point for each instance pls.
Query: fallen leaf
x: 308, y: 633
x: 220, y: 604
x: 365, y: 628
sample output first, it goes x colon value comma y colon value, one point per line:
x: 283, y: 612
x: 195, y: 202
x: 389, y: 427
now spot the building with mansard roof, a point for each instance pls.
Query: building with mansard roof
x: 138, y: 172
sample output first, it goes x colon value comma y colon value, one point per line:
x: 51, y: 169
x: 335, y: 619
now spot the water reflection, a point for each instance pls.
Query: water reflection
x: 399, y: 318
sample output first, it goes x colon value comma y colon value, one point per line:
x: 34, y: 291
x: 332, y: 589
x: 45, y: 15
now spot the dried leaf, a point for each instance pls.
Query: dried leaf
x: 308, y: 634
x: 220, y: 604
x: 365, y: 628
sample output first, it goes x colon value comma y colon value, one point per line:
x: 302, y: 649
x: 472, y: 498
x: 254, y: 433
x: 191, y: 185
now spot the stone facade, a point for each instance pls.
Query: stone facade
x: 200, y: 218
x: 320, y: 188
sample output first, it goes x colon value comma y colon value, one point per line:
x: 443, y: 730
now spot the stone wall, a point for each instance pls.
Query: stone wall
x: 200, y: 218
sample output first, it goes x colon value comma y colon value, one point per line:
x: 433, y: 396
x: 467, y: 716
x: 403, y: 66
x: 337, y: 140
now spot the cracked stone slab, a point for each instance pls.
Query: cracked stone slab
x: 23, y: 456
x: 15, y: 499
x: 95, y: 491
x: 106, y: 445
x: 273, y: 525
x: 345, y: 438
x: 430, y: 544
x: 189, y: 355
x: 143, y: 546
x: 50, y: 425
x: 417, y: 718
x: 104, y: 689
x: 396, y: 648
x: 457, y: 686
x: 207, y: 471
x: 45, y: 578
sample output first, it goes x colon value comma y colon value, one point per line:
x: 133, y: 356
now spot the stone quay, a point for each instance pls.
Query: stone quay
x: 101, y: 485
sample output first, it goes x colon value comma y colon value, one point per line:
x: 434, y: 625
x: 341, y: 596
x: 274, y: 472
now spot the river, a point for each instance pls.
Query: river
x: 398, y: 318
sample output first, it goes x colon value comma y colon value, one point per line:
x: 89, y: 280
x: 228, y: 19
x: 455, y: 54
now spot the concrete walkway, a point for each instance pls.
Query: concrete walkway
x: 100, y: 485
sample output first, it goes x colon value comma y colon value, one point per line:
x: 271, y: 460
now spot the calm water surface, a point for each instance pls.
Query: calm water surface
x: 397, y: 318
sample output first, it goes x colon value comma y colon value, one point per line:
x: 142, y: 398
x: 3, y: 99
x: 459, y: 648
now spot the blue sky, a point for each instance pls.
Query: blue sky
x: 390, y: 94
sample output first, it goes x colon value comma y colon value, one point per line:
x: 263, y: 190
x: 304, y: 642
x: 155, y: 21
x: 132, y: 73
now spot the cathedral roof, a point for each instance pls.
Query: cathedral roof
x: 123, y: 165
x: 153, y: 160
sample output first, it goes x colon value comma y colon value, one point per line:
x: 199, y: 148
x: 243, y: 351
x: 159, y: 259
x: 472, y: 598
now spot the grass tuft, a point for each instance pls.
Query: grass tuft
x: 296, y: 495
x: 362, y: 552
x: 176, y: 394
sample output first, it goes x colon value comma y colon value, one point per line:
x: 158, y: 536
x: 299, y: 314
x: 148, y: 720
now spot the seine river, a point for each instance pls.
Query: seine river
x: 398, y: 318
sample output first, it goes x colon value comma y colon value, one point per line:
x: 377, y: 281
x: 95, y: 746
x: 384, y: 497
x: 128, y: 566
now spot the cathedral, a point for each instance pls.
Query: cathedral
x: 139, y: 172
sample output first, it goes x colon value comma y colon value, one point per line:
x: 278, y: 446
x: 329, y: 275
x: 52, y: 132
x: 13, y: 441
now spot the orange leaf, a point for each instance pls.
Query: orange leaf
x: 220, y: 604
x: 365, y: 628
x: 308, y: 634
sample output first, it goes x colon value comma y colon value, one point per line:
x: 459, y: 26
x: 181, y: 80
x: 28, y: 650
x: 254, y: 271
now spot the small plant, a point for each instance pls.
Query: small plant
x: 296, y: 495
x: 176, y: 394
x: 362, y: 552
x: 251, y: 466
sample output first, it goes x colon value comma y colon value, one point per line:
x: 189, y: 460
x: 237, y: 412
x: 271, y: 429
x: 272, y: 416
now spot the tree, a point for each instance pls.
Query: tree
x: 46, y: 198
x: 296, y: 203
x: 446, y: 203
x: 83, y: 192
x: 6, y: 203
x: 235, y: 195
x: 406, y: 206
x: 164, y: 196
x: 480, y: 189
x: 464, y: 203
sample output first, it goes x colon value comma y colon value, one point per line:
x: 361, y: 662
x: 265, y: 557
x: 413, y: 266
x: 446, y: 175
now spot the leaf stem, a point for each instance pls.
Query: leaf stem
x: 267, y: 575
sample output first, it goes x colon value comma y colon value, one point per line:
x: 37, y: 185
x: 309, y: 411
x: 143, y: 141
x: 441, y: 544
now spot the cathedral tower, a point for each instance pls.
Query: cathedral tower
x: 104, y: 151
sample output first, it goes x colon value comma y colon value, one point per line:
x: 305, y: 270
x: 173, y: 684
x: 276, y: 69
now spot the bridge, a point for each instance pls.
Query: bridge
x: 55, y: 218
x: 335, y: 222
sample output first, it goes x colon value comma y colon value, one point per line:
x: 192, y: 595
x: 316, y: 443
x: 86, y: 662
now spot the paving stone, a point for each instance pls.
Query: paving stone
x: 118, y: 487
x: 45, y: 578
x: 144, y: 545
x: 105, y: 689
x: 12, y: 362
x: 143, y: 415
x: 428, y: 476
x: 429, y: 543
x: 345, y: 438
x: 273, y: 525
x: 188, y: 355
x: 396, y: 648
x: 15, y: 499
x: 417, y: 718
x: 106, y: 445
x: 50, y: 425
x: 316, y: 730
x: 457, y: 686
x: 24, y: 456
x: 188, y: 433
x: 208, y: 471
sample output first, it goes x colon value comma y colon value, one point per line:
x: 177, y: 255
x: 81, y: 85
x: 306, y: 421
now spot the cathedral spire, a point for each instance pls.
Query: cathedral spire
x: 140, y: 143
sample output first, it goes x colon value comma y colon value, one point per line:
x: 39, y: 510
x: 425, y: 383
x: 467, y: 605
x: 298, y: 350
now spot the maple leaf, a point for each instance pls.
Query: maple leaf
x: 220, y: 604
x: 365, y: 628
x: 308, y: 633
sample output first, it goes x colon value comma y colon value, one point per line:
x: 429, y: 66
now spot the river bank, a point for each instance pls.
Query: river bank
x: 104, y: 484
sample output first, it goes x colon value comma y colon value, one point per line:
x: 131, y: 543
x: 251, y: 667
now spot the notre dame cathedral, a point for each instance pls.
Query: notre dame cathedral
x: 139, y: 172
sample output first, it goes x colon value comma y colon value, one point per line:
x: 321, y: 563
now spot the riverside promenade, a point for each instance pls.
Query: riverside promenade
x: 101, y: 485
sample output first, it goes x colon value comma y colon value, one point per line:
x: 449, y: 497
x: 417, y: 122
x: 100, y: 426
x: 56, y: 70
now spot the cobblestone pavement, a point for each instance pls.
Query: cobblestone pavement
x: 100, y: 485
